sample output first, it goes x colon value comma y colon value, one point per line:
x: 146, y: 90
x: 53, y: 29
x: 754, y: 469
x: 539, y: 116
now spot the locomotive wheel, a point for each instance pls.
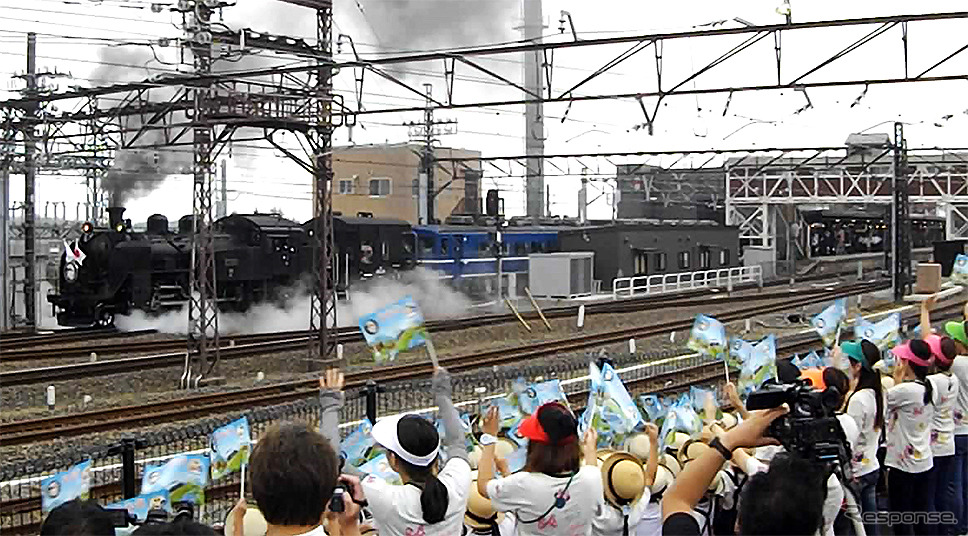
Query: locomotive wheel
x: 105, y: 318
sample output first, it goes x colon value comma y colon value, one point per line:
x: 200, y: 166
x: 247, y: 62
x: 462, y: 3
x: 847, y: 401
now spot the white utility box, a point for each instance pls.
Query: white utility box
x: 561, y: 275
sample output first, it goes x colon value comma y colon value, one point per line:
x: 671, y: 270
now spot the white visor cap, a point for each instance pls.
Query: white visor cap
x: 385, y: 434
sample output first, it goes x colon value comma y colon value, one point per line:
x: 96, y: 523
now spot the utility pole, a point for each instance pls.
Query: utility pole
x: 427, y: 133
x: 222, y: 210
x: 30, y: 177
x: 900, y: 220
x: 534, y: 111
x: 5, y: 159
x: 203, y: 336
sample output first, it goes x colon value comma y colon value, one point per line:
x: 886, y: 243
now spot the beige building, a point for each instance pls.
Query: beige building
x: 383, y: 180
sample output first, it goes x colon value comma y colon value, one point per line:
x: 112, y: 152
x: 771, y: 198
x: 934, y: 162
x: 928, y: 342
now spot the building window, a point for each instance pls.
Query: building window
x: 660, y: 262
x: 705, y: 259
x: 379, y: 187
x: 346, y: 186
x: 444, y: 243
x: 426, y: 246
x: 640, y: 259
x: 415, y: 188
x: 683, y: 260
x: 724, y: 257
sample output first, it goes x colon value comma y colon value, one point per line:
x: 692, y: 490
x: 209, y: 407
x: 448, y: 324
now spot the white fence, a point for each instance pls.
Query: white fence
x: 624, y: 287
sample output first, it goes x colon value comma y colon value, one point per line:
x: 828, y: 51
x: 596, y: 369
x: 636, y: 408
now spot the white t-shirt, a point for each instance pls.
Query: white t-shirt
x: 908, y: 423
x: 651, y: 523
x: 959, y: 369
x: 863, y: 408
x: 849, y: 426
x: 396, y: 509
x: 530, y: 495
x: 946, y: 389
x: 609, y: 522
x: 507, y: 526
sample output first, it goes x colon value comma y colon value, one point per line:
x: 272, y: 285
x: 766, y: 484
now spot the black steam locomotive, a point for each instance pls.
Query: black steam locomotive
x: 258, y: 258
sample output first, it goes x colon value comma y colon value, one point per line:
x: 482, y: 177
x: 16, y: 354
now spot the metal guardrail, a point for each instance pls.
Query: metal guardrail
x: 626, y: 287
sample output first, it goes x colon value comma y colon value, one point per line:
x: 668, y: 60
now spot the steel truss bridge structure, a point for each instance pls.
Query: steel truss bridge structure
x: 208, y: 109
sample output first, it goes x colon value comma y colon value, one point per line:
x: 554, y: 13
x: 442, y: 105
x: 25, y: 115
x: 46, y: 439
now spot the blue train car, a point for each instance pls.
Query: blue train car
x: 465, y: 250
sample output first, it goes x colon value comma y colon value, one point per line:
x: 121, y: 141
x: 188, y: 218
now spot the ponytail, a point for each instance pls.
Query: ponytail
x: 921, y: 349
x: 434, y: 500
x: 869, y: 379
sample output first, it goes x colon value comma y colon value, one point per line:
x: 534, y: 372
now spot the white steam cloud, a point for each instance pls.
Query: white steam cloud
x: 436, y: 299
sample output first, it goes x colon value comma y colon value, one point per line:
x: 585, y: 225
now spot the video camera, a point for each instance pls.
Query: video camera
x: 156, y: 516
x: 811, y: 429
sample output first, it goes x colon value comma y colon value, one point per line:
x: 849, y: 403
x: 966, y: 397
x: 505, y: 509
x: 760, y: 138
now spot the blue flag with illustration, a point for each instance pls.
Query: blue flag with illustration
x: 230, y: 448
x: 681, y: 417
x: 357, y: 447
x: 140, y: 506
x: 184, y: 476
x: 830, y: 320
x: 885, y: 334
x: 739, y: 350
x: 465, y: 423
x: 396, y: 328
x: 59, y: 488
x: 811, y: 360
x: 380, y: 468
x: 509, y: 412
x: 699, y: 396
x: 653, y: 407
x: 758, y: 367
x: 959, y: 270
x: 708, y: 337
x: 610, y: 409
x: 536, y: 394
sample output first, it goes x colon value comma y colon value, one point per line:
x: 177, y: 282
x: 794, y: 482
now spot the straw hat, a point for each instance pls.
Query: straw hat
x: 603, y: 454
x: 474, y: 457
x: 479, y: 509
x: 623, y: 479
x: 639, y: 445
x: 253, y: 524
x: 887, y: 382
x: 663, y: 479
x: 671, y: 463
x: 678, y: 439
x: 504, y: 447
x: 728, y: 421
x: 691, y: 450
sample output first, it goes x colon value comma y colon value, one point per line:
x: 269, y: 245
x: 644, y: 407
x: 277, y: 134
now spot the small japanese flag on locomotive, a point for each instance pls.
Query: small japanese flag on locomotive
x: 73, y: 253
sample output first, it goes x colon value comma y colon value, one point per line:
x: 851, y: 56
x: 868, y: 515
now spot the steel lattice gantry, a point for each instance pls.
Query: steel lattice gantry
x: 758, y: 185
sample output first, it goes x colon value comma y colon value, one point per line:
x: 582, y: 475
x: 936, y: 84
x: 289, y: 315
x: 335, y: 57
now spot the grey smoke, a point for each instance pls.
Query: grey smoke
x: 136, y: 172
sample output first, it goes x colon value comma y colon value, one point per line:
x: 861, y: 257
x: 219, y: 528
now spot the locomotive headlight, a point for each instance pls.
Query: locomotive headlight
x: 70, y: 272
x: 87, y: 227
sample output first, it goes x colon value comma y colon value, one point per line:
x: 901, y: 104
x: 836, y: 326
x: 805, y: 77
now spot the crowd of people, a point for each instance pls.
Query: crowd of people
x: 906, y: 432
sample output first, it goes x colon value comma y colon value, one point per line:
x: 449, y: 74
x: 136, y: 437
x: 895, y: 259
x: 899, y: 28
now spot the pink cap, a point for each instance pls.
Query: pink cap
x: 934, y: 341
x: 904, y: 352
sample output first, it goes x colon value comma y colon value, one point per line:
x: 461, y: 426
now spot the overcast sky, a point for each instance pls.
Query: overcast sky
x: 262, y: 179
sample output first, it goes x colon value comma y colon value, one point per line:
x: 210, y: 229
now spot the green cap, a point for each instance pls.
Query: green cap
x: 957, y: 332
x: 854, y: 351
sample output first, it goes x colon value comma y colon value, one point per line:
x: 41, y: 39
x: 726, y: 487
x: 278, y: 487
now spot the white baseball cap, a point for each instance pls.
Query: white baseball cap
x: 386, y: 433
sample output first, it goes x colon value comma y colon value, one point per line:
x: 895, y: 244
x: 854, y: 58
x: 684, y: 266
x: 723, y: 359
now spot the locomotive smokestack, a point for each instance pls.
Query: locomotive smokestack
x: 115, y: 216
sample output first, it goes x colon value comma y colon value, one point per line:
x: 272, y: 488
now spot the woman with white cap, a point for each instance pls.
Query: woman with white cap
x: 910, y: 410
x: 560, y: 489
x: 430, y: 502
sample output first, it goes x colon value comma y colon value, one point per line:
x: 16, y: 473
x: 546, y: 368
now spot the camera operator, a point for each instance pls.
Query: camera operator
x: 910, y: 410
x: 786, y: 499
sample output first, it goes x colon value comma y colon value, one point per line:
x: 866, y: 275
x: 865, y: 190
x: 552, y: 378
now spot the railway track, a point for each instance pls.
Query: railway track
x: 350, y: 334
x: 197, y: 406
x: 19, y: 341
x: 248, y: 345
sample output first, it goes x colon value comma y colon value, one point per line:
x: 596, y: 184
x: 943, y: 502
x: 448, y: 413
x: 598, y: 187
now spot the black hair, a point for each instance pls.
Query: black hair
x: 558, y: 422
x: 78, y: 518
x: 786, y: 371
x: 922, y: 350
x: 870, y: 379
x: 293, y: 471
x: 182, y: 526
x: 837, y: 379
x: 419, y: 437
x: 949, y: 351
x: 786, y: 499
